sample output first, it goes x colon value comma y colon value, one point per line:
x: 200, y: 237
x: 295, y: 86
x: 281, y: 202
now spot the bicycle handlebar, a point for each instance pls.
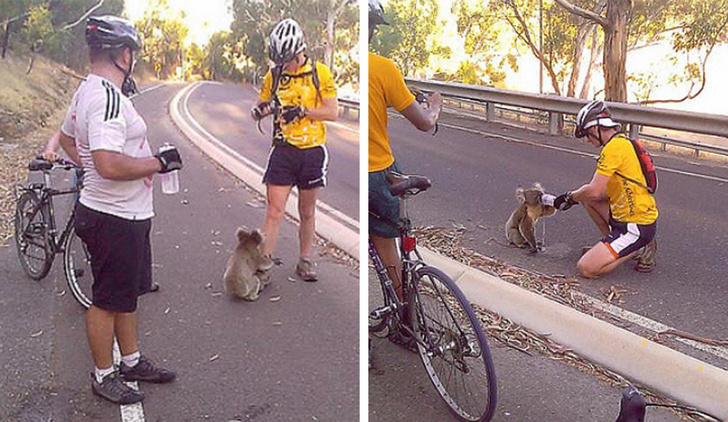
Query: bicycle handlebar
x: 41, y: 164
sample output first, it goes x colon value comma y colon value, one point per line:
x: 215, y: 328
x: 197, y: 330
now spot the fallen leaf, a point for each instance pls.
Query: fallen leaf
x: 215, y: 357
x: 291, y: 279
x: 38, y: 334
x: 277, y: 323
x: 185, y: 202
x: 166, y: 311
x: 61, y: 293
x: 275, y: 298
x: 217, y: 294
x: 208, y: 286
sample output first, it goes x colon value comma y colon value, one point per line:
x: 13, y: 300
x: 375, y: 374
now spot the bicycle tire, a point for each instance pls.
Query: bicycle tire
x: 31, y: 235
x: 379, y: 326
x: 77, y: 269
x: 452, y: 346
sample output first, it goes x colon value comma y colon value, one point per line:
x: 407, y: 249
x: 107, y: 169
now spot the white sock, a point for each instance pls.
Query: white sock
x: 101, y: 373
x: 132, y: 359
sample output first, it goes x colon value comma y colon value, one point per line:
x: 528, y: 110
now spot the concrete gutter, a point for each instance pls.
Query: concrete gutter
x: 676, y: 375
x: 331, y: 224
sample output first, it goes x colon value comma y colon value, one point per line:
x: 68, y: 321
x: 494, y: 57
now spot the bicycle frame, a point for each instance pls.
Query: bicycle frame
x: 45, y: 195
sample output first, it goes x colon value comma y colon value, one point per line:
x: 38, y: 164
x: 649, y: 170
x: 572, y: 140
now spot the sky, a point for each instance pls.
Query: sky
x: 203, y: 17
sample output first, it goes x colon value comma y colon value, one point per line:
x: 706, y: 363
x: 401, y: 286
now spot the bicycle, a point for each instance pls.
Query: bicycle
x: 37, y: 237
x: 449, y: 340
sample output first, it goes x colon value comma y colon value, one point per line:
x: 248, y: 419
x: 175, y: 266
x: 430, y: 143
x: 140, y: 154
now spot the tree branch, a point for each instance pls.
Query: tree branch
x: 82, y: 18
x: 586, y: 14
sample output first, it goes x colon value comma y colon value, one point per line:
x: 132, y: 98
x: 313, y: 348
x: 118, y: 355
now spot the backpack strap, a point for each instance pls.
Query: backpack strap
x: 629, y: 179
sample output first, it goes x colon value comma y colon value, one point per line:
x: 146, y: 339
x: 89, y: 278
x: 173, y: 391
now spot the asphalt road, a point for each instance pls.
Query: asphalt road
x: 474, y: 181
x: 530, y: 388
x: 224, y: 110
x: 288, y: 360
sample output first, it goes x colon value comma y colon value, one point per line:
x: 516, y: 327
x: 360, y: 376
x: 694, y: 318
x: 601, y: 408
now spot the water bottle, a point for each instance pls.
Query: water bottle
x: 170, y: 181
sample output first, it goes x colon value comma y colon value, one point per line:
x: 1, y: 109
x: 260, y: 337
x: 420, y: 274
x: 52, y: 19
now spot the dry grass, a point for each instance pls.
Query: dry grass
x: 32, y: 107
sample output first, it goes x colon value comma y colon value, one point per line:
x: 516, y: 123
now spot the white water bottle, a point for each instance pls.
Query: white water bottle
x: 170, y: 180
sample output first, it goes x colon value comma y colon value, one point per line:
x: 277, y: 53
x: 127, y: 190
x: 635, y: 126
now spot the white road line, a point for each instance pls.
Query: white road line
x: 570, y: 151
x: 319, y: 204
x: 129, y: 412
x: 151, y: 88
x: 651, y: 325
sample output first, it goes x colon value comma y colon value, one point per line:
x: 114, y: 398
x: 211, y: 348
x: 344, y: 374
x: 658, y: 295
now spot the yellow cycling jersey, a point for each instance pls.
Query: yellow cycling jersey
x: 386, y: 89
x: 292, y: 91
x: 628, y: 202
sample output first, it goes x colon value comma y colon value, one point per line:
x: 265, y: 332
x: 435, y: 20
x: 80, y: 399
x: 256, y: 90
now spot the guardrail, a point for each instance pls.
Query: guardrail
x: 349, y: 107
x: 633, y: 115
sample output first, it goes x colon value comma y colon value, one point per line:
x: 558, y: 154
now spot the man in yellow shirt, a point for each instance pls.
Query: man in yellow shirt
x: 616, y: 199
x: 387, y: 89
x: 300, y: 97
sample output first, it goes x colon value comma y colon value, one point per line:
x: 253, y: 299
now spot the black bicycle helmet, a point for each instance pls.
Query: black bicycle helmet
x: 596, y: 113
x: 286, y: 41
x: 376, y: 16
x: 111, y: 32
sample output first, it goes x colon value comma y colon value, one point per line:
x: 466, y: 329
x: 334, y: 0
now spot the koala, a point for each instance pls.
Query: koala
x: 521, y: 225
x: 242, y: 277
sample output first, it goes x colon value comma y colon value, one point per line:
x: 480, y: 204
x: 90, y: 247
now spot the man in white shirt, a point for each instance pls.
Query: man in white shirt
x: 113, y: 217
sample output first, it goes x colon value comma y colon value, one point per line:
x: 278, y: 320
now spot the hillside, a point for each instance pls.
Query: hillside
x: 32, y: 107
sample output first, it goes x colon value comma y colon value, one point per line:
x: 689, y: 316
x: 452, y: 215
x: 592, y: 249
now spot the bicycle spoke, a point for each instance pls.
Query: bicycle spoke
x: 452, y: 348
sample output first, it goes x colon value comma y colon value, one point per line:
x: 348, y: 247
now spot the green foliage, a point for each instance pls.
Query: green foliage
x: 221, y: 56
x: 37, y: 28
x: 412, y: 36
x: 162, y: 34
x: 253, y: 20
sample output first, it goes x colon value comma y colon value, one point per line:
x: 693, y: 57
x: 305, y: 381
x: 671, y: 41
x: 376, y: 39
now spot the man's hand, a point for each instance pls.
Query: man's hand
x: 564, y: 201
x: 260, y: 111
x: 291, y: 114
x: 169, y: 157
x: 50, y: 156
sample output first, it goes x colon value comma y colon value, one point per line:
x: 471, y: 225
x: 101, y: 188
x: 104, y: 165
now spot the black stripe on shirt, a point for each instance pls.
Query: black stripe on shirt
x: 108, y: 103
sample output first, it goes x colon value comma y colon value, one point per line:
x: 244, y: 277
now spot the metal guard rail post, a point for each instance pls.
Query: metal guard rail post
x: 634, y: 115
x: 347, y: 106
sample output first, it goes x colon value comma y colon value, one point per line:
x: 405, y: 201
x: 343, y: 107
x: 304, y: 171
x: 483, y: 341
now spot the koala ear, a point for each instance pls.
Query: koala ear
x: 538, y: 186
x: 256, y: 236
x: 520, y: 194
x: 243, y: 234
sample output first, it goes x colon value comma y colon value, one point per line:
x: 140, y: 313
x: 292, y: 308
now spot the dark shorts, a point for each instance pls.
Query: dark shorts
x: 625, y: 238
x: 121, y: 257
x: 291, y: 166
x: 383, y: 207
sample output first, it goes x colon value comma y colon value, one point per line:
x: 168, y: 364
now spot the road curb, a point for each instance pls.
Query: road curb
x: 330, y: 224
x: 681, y: 377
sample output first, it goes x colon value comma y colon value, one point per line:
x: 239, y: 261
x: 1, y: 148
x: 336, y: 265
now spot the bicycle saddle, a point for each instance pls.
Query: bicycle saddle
x: 37, y: 165
x: 401, y: 184
x: 632, y: 407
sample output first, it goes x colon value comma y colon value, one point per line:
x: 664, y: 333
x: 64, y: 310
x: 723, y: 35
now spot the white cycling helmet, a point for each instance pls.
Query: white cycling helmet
x: 286, y: 41
x: 596, y: 113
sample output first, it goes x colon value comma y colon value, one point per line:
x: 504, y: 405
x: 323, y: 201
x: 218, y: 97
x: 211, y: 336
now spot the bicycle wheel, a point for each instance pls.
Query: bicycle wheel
x: 378, y: 301
x: 31, y: 236
x: 452, y: 346
x: 77, y: 268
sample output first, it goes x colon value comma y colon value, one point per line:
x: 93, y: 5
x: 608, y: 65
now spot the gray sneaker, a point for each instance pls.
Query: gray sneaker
x: 112, y: 389
x: 305, y: 269
x: 146, y: 371
x: 646, y: 261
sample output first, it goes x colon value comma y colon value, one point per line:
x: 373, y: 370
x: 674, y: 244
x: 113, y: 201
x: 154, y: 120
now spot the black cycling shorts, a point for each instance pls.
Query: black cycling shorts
x: 305, y: 168
x: 625, y: 238
x: 121, y: 257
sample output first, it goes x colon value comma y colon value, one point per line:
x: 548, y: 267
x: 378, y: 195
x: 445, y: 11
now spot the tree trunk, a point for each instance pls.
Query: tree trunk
x: 6, y: 38
x: 330, y: 28
x: 582, y: 35
x: 595, y: 52
x: 615, y: 50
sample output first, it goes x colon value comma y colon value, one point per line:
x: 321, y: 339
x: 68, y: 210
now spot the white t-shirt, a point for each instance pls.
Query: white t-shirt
x: 101, y: 118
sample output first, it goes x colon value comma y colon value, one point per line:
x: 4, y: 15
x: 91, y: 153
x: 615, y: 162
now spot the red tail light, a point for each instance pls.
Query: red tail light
x: 409, y: 243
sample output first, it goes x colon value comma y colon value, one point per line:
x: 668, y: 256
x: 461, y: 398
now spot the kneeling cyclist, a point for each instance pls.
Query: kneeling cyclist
x: 617, y: 199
